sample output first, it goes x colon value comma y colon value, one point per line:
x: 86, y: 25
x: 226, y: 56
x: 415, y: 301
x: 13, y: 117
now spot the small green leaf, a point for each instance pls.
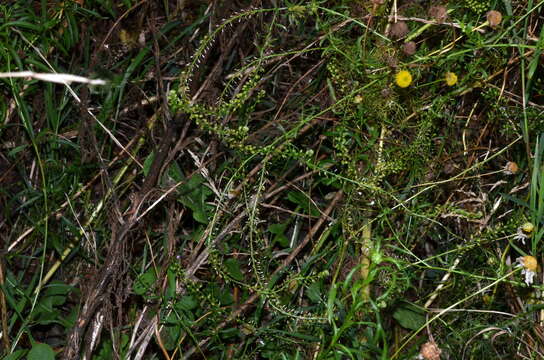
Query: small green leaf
x: 51, y: 316
x: 536, y: 57
x: 303, y: 201
x: 223, y: 295
x: 330, y: 303
x: 171, y: 276
x: 16, y: 150
x: 147, y: 163
x: 58, y: 291
x: 279, y: 231
x: 41, y: 351
x: 186, y: 303
x: 174, y: 172
x: 193, y: 195
x: 314, y: 292
x: 233, y: 268
x: 409, y: 316
x: 144, y: 282
x: 171, y: 332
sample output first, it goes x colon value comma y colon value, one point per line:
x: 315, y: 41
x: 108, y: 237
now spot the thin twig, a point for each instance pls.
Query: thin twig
x: 65, y: 79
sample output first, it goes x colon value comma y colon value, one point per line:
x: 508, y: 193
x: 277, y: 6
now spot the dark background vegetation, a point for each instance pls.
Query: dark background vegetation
x: 252, y: 182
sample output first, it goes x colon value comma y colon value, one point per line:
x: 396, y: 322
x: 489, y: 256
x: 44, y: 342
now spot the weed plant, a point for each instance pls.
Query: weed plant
x: 346, y: 180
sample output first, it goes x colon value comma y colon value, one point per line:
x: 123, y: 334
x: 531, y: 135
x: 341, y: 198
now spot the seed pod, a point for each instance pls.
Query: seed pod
x: 511, y: 168
x: 494, y: 18
x: 430, y: 351
x: 439, y: 13
x: 399, y: 30
x: 527, y: 228
x: 409, y: 48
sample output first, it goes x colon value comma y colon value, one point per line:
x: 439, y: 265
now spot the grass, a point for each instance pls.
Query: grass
x: 291, y: 194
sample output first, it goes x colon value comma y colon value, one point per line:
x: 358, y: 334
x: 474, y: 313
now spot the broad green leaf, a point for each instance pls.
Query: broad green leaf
x: 48, y: 316
x: 187, y: 303
x: 57, y: 291
x: 409, y: 316
x: 174, y: 172
x: 193, y: 194
x: 144, y: 282
x: 41, y: 351
x: 279, y: 231
x: 222, y: 294
x: 233, y: 268
x: 171, y: 331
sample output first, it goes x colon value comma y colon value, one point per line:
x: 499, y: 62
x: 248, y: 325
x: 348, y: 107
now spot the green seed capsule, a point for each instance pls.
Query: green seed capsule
x: 527, y: 228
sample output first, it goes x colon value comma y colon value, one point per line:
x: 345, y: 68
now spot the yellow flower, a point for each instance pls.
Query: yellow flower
x: 529, y: 263
x: 451, y: 78
x: 403, y: 79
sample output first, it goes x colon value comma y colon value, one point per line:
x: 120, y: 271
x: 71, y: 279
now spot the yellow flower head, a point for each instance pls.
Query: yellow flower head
x: 529, y: 263
x: 403, y: 79
x: 451, y: 78
x: 529, y: 267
